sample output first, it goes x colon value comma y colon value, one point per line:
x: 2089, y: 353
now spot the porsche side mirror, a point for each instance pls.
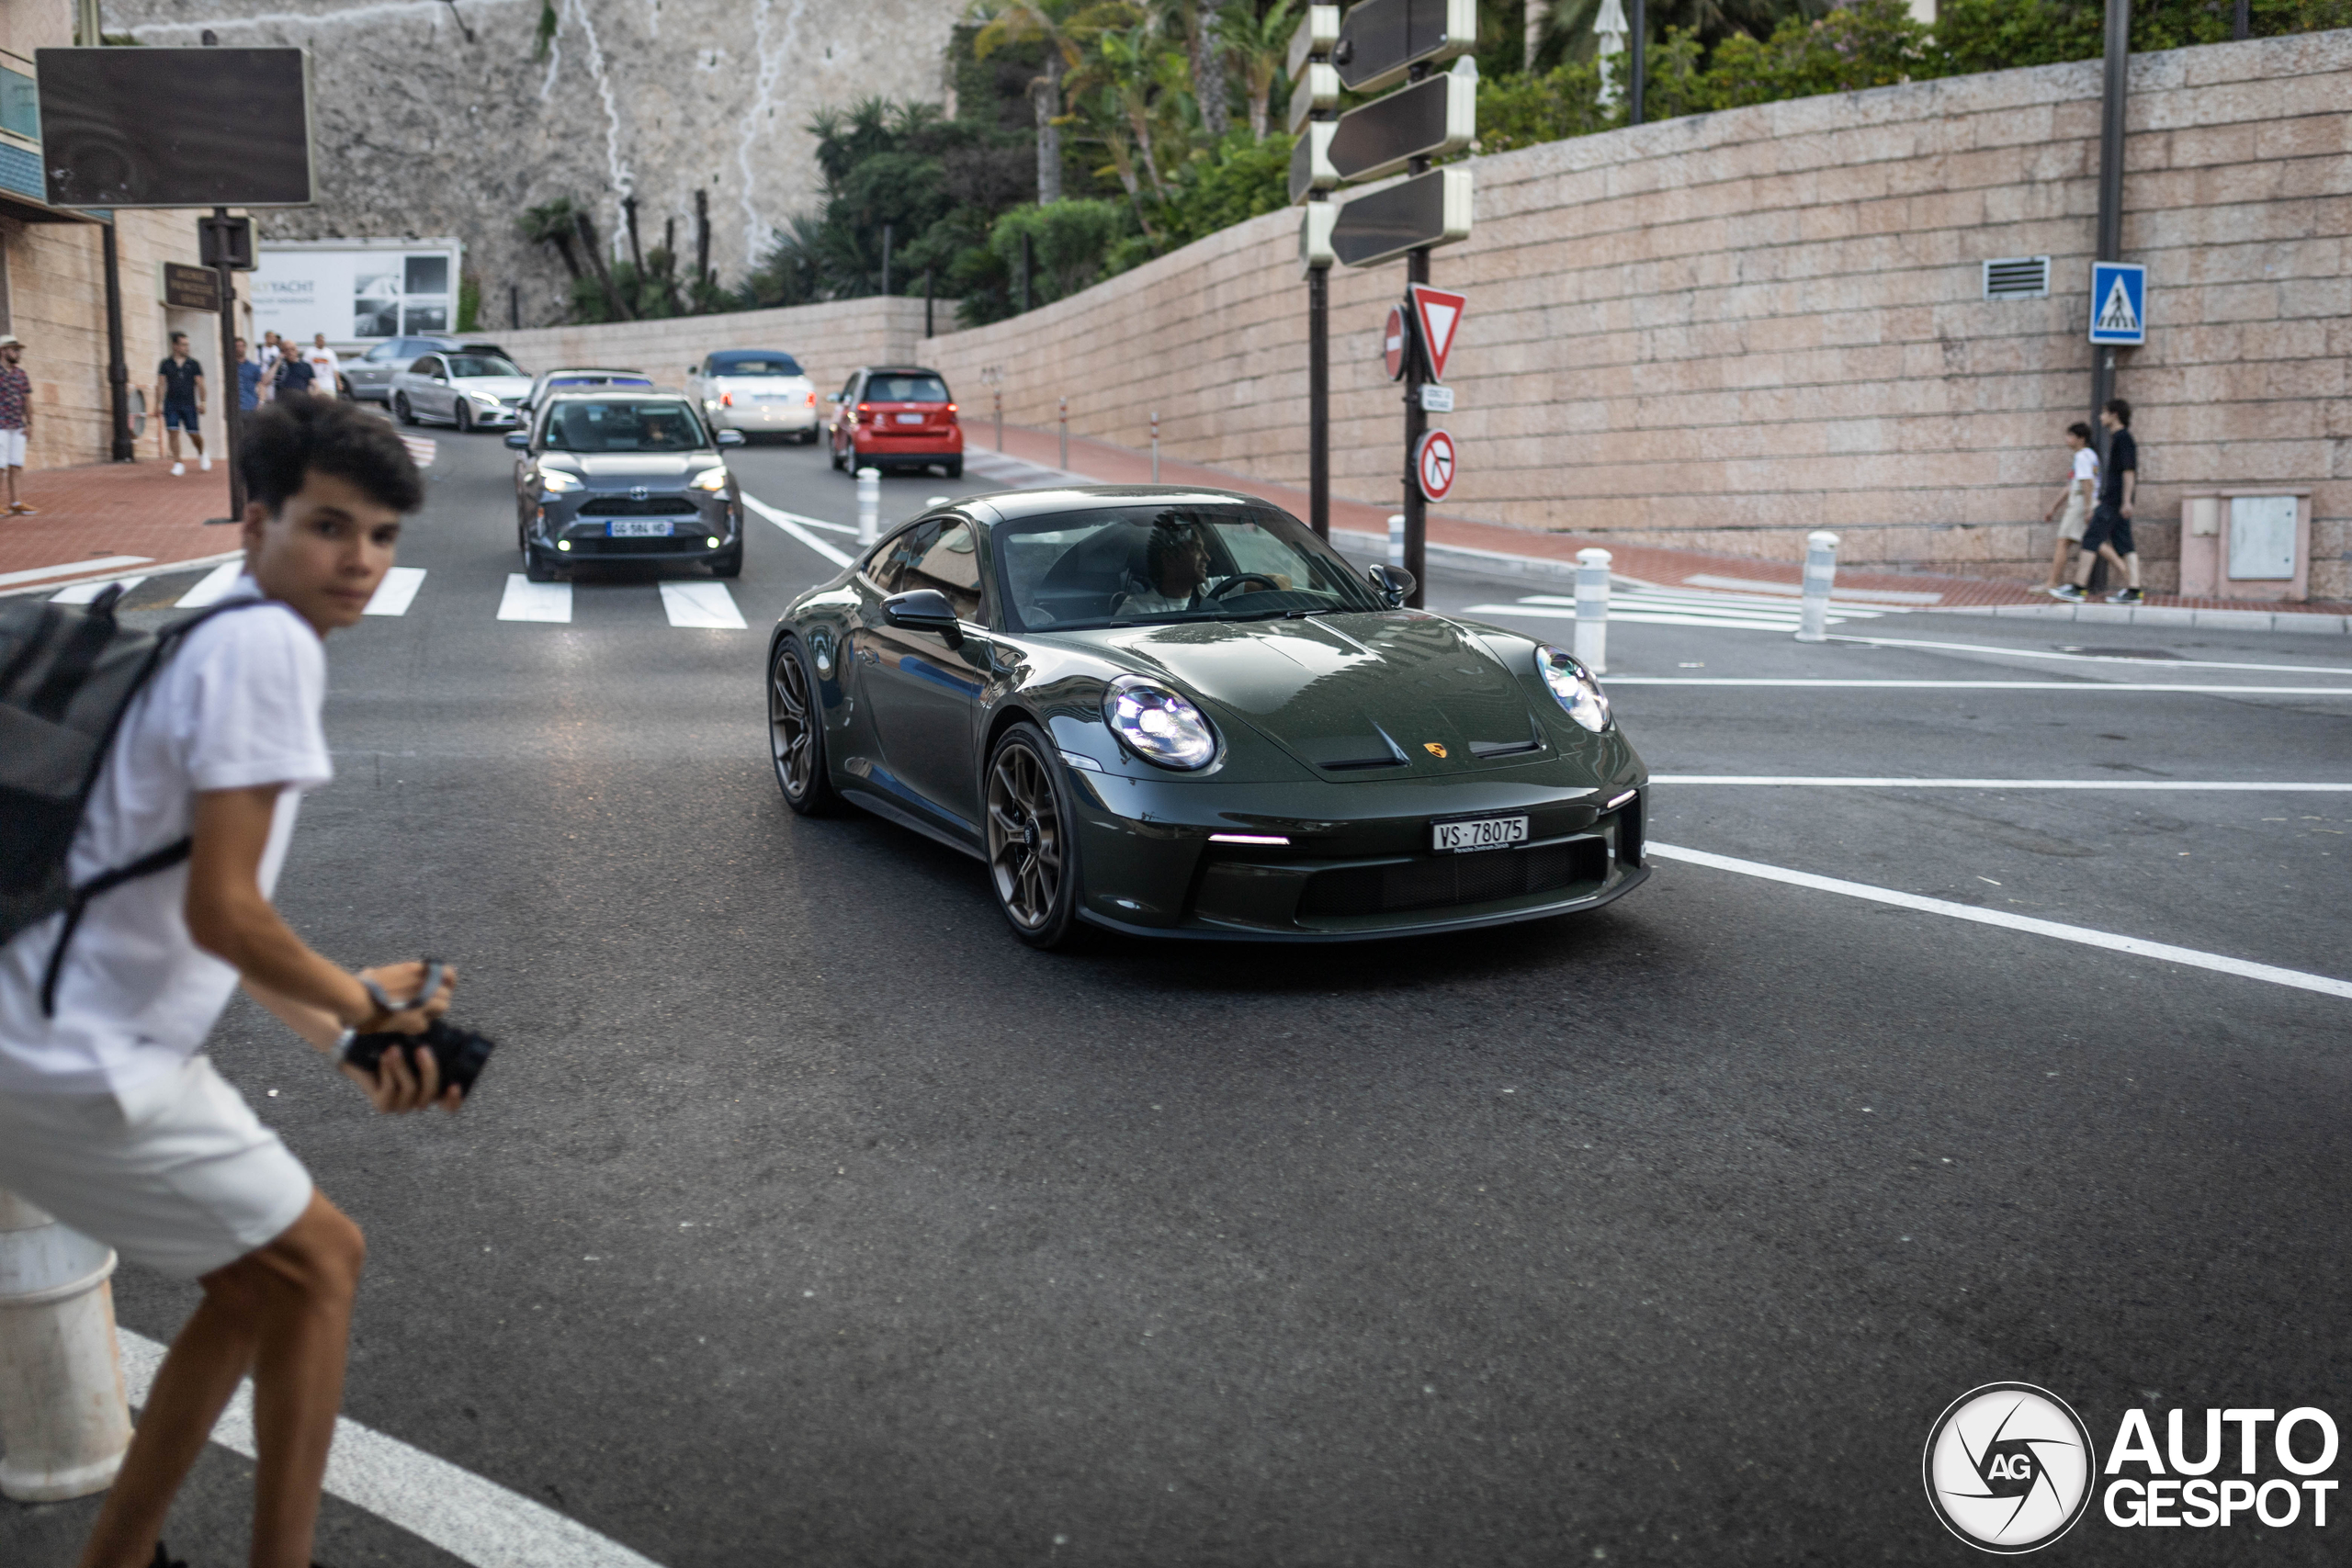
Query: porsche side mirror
x: 519, y: 440
x: 730, y: 438
x: 924, y: 610
x: 1392, y: 582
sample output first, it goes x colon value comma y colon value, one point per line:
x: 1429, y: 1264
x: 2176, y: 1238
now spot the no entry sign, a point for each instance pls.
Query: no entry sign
x: 1433, y: 465
x: 1393, y: 346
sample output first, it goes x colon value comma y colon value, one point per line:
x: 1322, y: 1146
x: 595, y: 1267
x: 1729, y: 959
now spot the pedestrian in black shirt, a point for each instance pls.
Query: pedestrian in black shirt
x: 2109, y: 536
x: 179, y: 388
x: 290, y: 373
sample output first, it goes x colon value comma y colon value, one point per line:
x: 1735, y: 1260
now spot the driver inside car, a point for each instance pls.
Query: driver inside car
x: 1176, y: 567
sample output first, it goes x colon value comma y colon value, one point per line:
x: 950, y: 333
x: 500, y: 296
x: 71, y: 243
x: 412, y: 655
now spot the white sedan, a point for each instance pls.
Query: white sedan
x: 472, y: 391
x: 756, y: 390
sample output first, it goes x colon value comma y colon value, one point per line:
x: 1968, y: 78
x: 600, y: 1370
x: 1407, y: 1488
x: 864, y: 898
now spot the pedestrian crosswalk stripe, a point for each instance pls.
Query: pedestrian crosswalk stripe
x: 214, y: 586
x: 82, y: 593
x: 397, y: 592
x: 529, y: 601
x: 703, y: 605
x: 1682, y: 607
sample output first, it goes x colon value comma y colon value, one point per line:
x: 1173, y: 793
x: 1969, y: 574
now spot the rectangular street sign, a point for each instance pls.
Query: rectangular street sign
x: 1427, y: 209
x: 1320, y: 90
x: 1381, y: 39
x: 1436, y: 399
x: 2119, y: 303
x: 191, y: 288
x: 1310, y: 159
x: 1316, y: 33
x: 158, y: 126
x: 1427, y: 119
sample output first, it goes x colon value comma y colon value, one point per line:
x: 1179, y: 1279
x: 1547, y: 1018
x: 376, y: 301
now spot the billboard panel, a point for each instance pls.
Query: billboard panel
x: 176, y: 127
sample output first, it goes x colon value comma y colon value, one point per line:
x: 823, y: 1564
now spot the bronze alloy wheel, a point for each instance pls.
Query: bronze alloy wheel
x: 1028, y: 841
x: 795, y: 734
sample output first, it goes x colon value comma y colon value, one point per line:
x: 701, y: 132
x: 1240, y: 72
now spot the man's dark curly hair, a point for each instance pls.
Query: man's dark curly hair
x: 287, y: 440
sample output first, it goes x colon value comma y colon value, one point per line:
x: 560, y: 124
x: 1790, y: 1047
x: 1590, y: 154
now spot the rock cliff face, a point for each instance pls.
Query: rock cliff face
x: 433, y: 116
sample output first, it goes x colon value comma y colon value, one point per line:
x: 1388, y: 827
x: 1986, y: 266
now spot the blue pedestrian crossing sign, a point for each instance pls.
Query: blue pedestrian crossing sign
x: 2119, y: 303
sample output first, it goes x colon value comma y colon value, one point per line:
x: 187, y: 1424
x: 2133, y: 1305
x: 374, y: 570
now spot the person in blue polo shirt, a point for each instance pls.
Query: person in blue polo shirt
x: 248, y: 380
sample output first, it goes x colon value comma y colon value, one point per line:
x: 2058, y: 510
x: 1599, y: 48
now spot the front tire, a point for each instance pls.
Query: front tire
x: 1032, y: 840
x: 465, y: 418
x: 406, y: 415
x: 797, y: 734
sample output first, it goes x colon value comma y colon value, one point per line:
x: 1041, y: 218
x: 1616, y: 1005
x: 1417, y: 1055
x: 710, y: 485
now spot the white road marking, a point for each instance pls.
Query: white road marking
x: 2166, y: 952
x: 420, y: 449
x: 1619, y: 613
x: 1803, y: 781
x: 214, y: 586
x: 1982, y: 685
x: 2088, y: 658
x: 72, y: 569
x: 706, y: 606
x: 82, y: 593
x: 397, y: 592
x: 1747, y: 585
x: 792, y: 523
x: 529, y: 601
x: 475, y: 1520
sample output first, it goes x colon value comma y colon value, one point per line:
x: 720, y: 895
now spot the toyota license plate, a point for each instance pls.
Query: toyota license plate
x: 640, y: 528
x: 1486, y: 833
x: 910, y: 419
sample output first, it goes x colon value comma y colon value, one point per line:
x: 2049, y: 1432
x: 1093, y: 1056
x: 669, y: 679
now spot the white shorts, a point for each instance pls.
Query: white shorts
x: 2073, y: 520
x: 175, y: 1173
x: 12, y: 448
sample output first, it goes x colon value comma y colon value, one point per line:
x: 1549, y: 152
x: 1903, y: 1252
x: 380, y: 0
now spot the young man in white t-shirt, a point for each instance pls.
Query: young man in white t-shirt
x: 110, y: 1117
x: 325, y: 368
x: 2075, y: 501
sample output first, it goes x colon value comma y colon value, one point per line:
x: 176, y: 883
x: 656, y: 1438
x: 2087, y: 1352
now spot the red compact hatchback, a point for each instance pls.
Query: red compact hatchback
x: 896, y: 416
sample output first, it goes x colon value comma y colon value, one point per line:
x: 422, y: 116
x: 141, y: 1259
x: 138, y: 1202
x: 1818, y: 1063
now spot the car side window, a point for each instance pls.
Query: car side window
x: 849, y: 389
x: 428, y: 366
x: 940, y: 553
x: 892, y: 558
x: 378, y: 354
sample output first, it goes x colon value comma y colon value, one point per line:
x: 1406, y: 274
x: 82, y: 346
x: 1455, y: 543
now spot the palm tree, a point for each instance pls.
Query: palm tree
x: 1258, y: 47
x: 1126, y: 79
x: 1056, y: 25
x: 551, y: 223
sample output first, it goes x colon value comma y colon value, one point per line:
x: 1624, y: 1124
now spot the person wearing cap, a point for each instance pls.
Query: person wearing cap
x: 15, y: 417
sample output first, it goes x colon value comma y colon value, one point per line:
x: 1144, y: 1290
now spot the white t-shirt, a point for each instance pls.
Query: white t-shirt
x: 324, y: 362
x: 2086, y: 468
x: 237, y: 705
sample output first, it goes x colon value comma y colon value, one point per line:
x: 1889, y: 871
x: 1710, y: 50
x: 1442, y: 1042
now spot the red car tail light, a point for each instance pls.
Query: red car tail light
x: 727, y: 400
x: 812, y: 400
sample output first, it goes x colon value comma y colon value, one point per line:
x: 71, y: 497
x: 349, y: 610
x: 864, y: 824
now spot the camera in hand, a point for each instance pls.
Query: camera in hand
x: 460, y: 1053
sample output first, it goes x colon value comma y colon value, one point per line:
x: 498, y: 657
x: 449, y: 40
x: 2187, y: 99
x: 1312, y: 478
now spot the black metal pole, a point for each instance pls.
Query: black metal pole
x: 1636, y: 72
x: 126, y: 447
x: 885, y: 258
x: 1417, y: 422
x: 232, y: 421
x: 2111, y: 186
x: 926, y: 302
x: 1028, y: 260
x: 514, y: 307
x: 2242, y: 20
x: 1319, y: 401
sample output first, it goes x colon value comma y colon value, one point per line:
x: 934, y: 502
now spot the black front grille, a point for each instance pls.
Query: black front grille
x: 629, y: 506
x: 1435, y: 882
x: 596, y: 545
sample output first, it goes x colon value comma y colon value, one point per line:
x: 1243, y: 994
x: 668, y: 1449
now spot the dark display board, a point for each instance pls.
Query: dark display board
x: 176, y: 127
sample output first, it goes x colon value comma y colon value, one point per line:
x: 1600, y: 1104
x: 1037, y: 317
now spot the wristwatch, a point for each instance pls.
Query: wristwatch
x: 340, y: 1049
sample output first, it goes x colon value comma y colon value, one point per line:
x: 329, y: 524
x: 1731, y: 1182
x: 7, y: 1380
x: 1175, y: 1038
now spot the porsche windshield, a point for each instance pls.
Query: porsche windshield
x: 649, y: 424
x: 1131, y: 565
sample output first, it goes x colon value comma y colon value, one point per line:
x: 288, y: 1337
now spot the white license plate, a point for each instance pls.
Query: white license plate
x: 640, y: 528
x: 909, y: 419
x: 1486, y: 833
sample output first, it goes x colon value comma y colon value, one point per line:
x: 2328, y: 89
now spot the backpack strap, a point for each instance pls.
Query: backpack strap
x: 170, y: 855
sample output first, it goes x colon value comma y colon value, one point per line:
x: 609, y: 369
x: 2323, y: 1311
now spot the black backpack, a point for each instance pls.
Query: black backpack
x: 68, y: 673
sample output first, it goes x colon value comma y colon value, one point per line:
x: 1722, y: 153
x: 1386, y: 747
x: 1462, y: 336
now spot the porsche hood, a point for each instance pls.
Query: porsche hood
x: 1352, y: 696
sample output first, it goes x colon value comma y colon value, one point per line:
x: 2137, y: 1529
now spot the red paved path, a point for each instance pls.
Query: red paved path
x: 115, y: 509
x: 1107, y: 464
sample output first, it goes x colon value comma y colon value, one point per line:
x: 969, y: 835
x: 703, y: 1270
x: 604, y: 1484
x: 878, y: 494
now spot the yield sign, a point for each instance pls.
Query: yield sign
x: 1433, y: 465
x: 1439, y: 314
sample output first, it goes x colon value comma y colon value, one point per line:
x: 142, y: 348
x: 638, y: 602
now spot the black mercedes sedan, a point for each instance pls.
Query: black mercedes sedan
x: 1178, y: 712
x: 625, y: 476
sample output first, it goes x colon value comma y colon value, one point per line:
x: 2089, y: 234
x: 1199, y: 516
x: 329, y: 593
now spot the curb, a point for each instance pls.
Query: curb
x: 156, y: 568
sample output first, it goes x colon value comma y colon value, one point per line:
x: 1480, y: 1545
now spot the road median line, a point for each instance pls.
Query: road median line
x: 796, y: 525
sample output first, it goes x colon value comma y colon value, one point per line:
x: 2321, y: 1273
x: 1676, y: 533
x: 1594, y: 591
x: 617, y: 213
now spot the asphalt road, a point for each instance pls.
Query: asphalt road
x: 806, y: 1217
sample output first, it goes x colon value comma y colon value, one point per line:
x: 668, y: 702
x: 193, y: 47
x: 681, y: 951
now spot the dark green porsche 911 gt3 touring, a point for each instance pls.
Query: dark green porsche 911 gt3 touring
x: 1177, y: 712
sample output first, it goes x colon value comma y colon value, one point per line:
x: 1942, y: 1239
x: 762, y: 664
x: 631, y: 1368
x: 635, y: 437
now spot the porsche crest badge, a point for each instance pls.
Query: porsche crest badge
x: 1433, y: 747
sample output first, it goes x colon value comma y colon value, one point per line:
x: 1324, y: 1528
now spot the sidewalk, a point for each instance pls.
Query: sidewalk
x: 1492, y: 548
x: 108, y: 519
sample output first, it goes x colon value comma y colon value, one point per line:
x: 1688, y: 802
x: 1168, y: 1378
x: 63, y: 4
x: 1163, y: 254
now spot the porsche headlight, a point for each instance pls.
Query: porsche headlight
x: 1574, y: 686
x: 709, y: 479
x: 555, y: 482
x: 1160, y: 725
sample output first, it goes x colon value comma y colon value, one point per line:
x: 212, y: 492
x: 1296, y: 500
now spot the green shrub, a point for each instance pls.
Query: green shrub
x: 1070, y: 239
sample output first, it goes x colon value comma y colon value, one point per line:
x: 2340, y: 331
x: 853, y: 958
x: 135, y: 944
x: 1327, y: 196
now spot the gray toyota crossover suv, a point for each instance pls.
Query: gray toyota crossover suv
x: 625, y: 476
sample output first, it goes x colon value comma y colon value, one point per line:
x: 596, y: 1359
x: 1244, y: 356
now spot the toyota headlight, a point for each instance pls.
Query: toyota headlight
x: 555, y: 482
x: 1160, y: 725
x: 709, y: 479
x: 1574, y: 686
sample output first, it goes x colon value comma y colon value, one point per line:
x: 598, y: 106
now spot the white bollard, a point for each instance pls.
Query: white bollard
x: 1396, y: 538
x: 1592, y: 610
x: 63, y: 1421
x: 869, y: 506
x: 1820, y: 572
